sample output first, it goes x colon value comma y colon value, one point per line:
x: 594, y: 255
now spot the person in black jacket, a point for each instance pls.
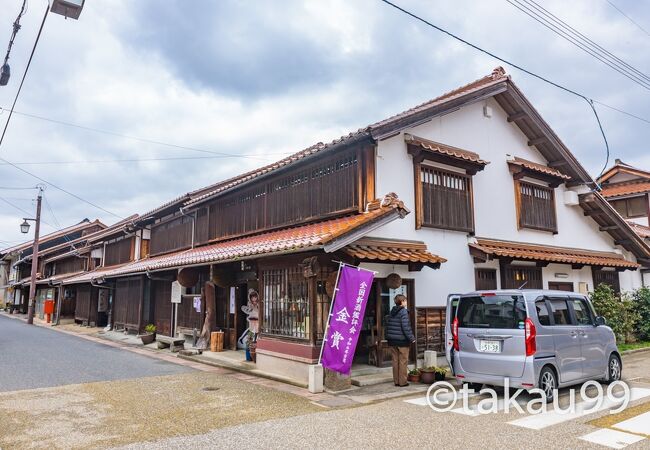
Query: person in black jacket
x: 400, y: 337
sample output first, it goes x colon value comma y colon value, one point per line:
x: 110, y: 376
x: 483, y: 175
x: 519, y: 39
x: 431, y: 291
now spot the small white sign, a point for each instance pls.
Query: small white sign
x: 232, y: 299
x: 177, y: 292
x: 102, y: 300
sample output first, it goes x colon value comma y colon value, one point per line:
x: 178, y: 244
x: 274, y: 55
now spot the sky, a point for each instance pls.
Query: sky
x: 244, y: 83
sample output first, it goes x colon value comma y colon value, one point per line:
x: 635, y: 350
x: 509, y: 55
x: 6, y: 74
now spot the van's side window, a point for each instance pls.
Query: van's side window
x: 542, y: 313
x: 581, y: 311
x: 560, y: 311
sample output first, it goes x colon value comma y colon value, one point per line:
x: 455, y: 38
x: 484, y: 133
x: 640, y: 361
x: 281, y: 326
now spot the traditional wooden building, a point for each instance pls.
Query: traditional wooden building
x: 482, y: 180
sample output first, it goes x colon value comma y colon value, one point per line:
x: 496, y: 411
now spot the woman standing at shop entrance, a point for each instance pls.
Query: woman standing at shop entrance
x: 399, y: 336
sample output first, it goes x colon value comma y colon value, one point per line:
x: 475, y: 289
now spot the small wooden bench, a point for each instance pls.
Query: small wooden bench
x: 174, y: 344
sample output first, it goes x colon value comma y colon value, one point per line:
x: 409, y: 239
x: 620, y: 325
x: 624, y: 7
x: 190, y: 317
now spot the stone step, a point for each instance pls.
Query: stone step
x: 372, y: 379
x: 361, y: 370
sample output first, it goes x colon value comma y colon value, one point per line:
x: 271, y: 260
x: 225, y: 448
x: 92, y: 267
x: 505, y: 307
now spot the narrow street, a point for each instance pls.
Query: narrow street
x: 83, y: 394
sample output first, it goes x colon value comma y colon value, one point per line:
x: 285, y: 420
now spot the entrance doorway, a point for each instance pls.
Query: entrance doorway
x: 560, y: 286
x: 372, y: 347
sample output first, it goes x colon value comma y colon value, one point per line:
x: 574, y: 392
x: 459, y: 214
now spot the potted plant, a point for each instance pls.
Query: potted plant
x: 440, y: 373
x: 427, y: 375
x: 149, y: 334
x: 414, y: 375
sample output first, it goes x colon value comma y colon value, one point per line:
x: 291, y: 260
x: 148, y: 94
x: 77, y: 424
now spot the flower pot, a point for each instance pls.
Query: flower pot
x: 413, y: 378
x: 248, y: 355
x: 427, y: 377
x: 253, y: 353
x: 147, y: 338
x: 439, y: 376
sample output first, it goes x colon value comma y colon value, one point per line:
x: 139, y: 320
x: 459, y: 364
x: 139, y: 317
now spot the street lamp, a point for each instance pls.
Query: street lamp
x: 24, y: 227
x: 67, y: 8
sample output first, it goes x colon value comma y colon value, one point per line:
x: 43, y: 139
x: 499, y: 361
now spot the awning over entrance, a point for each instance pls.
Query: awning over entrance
x: 415, y: 254
x: 485, y: 249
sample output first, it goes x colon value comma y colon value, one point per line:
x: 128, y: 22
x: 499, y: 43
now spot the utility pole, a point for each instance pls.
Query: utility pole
x: 32, y: 281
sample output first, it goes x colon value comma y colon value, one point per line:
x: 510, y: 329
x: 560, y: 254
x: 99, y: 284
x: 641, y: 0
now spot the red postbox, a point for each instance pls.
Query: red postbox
x: 48, y: 309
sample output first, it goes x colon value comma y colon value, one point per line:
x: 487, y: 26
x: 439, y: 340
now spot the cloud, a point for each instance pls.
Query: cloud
x: 262, y: 79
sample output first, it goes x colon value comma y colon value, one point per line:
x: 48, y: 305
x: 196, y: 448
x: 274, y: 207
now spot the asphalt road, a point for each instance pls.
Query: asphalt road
x: 35, y: 357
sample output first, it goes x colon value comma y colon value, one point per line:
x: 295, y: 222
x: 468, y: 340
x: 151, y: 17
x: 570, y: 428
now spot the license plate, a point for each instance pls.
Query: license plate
x: 490, y: 346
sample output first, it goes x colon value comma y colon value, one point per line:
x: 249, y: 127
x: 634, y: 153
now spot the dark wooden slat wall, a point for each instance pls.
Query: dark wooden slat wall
x: 446, y: 199
x: 127, y: 303
x: 118, y: 252
x: 70, y: 265
x: 430, y: 327
x: 161, y: 292
x: 170, y: 235
x: 317, y: 190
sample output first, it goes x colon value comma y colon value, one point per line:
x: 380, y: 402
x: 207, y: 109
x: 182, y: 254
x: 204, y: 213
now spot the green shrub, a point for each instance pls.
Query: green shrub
x: 619, y: 310
x: 641, y: 298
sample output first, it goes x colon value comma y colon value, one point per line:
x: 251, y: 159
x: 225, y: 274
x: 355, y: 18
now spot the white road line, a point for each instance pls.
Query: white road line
x: 552, y: 417
x: 472, y: 410
x: 639, y: 424
x: 445, y: 397
x: 612, y: 438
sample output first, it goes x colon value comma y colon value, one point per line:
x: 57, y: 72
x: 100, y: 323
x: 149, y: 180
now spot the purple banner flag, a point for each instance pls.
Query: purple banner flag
x: 346, y: 318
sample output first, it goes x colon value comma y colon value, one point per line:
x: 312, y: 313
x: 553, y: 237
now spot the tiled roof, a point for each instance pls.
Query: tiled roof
x: 562, y: 255
x: 620, y: 189
x: 57, y: 278
x: 87, y: 277
x: 395, y: 251
x: 539, y: 168
x: 446, y: 150
x: 296, y: 239
x: 619, y: 167
x: 641, y: 230
x: 48, y: 237
x: 497, y: 76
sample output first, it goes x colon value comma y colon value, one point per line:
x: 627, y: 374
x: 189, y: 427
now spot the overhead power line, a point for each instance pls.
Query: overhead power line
x: 115, y: 161
x: 589, y: 101
x: 72, y: 194
x: 22, y: 81
x: 575, y: 37
x: 135, y: 138
x: 628, y: 18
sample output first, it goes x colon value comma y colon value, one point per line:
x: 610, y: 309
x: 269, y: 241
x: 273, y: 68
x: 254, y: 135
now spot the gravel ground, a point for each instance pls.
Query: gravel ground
x: 34, y: 357
x: 98, y: 415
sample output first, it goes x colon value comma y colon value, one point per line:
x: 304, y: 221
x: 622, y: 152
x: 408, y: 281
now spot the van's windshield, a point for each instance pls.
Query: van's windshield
x: 494, y: 311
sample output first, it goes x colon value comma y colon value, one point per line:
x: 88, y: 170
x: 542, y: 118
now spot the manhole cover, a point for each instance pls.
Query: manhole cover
x: 210, y: 388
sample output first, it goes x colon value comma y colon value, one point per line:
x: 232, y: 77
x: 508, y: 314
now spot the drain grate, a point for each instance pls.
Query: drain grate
x: 210, y: 388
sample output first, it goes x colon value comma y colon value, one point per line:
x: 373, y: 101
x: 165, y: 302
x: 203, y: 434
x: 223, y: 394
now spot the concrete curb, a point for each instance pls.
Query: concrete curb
x: 256, y: 373
x: 636, y: 350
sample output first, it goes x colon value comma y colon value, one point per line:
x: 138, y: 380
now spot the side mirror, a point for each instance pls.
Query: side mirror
x: 600, y: 320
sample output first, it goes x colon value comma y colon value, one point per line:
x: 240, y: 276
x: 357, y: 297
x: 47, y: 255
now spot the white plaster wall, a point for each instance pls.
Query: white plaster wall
x: 495, y: 140
x: 646, y: 279
x: 640, y: 220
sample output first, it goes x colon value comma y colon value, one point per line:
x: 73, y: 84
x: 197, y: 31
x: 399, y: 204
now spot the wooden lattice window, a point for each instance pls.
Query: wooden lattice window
x: 485, y: 279
x: 536, y: 206
x: 331, y: 186
x: 521, y: 277
x: 285, y: 302
x: 608, y: 277
x: 444, y: 199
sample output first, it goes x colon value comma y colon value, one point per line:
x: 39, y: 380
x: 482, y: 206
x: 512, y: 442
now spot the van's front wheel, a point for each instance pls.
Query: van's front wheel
x: 548, y: 384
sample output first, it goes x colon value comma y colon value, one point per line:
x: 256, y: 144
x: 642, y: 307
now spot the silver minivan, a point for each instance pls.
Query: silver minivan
x: 535, y: 338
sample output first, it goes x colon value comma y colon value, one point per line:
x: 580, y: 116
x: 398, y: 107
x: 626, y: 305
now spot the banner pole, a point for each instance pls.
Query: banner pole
x: 329, y: 316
